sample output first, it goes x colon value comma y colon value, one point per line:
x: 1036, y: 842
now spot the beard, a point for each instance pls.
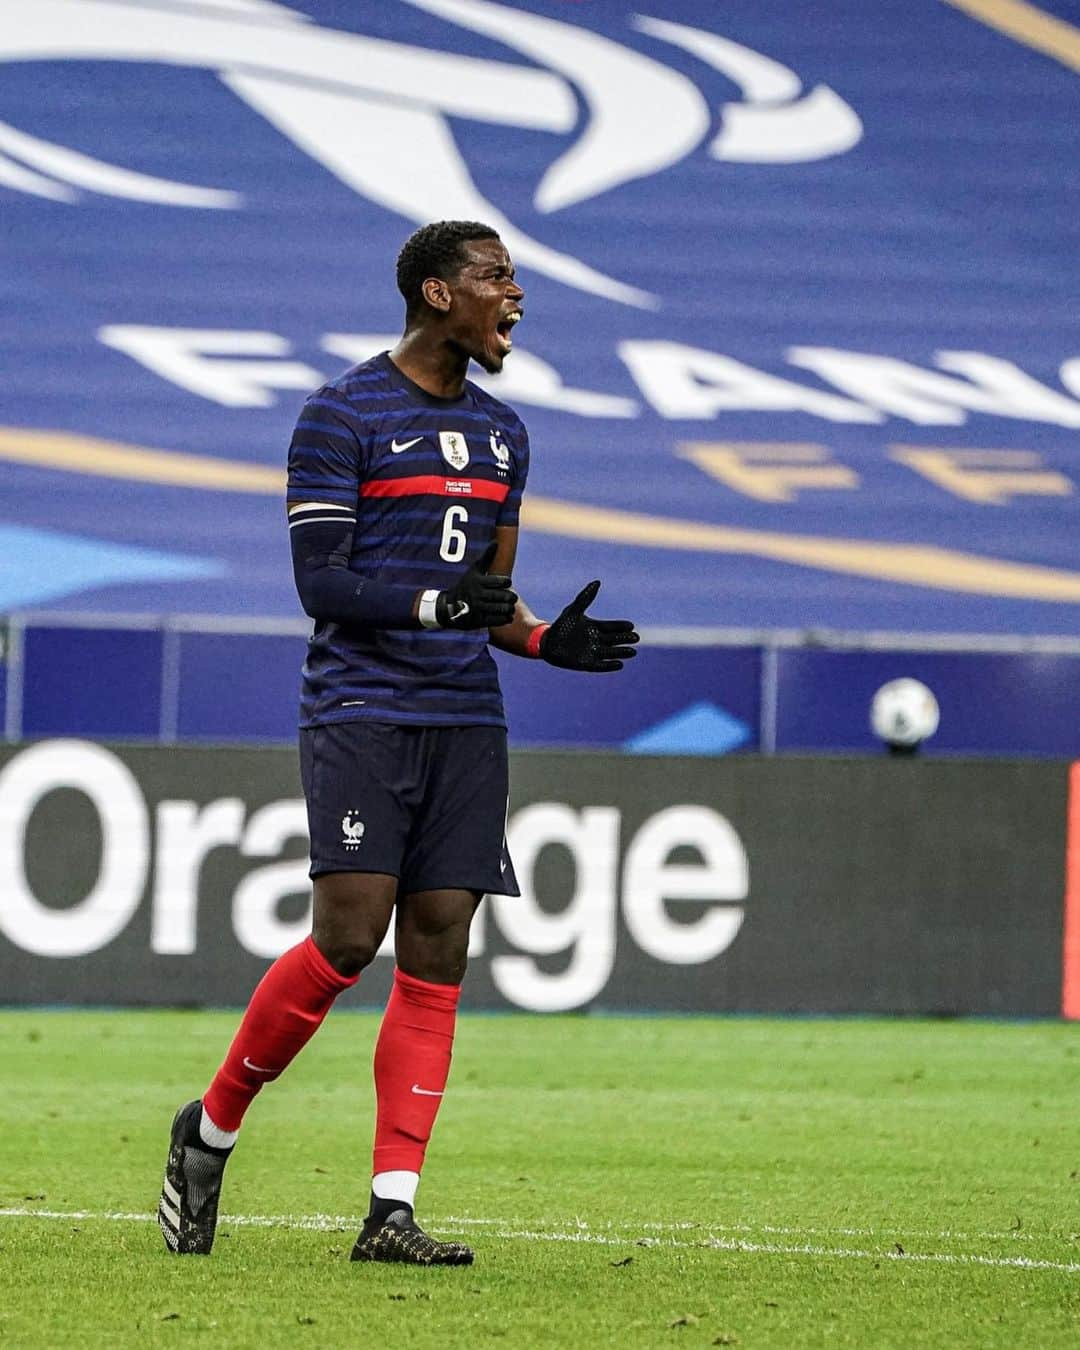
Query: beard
x: 487, y: 361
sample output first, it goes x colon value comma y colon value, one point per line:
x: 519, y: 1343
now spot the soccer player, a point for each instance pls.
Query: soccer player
x: 405, y: 483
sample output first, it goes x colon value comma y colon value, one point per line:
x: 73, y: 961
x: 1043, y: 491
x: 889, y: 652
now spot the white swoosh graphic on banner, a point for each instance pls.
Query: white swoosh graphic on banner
x: 15, y: 176
x: 83, y: 171
x: 462, y: 86
x: 375, y: 112
x: 405, y: 159
x: 773, y: 124
x: 645, y: 116
x: 336, y: 94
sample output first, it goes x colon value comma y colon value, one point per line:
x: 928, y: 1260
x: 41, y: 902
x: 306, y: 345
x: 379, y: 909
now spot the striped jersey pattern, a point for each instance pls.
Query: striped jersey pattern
x: 426, y: 480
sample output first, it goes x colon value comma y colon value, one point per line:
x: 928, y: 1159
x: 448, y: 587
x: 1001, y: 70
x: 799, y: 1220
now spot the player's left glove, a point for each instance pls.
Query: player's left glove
x: 576, y: 642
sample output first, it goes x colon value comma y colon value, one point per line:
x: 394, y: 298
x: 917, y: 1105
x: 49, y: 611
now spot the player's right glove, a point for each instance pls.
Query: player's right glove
x: 478, y: 599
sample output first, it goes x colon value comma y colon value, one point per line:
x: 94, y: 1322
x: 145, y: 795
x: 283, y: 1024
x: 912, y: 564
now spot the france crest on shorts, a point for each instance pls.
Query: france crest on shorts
x: 352, y: 831
x: 455, y: 449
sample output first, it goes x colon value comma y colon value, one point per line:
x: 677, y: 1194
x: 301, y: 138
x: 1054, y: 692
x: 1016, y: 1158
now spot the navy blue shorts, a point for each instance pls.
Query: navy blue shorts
x: 425, y: 804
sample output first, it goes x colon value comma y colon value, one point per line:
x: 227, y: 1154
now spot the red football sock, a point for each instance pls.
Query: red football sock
x: 286, y: 1010
x: 412, y: 1063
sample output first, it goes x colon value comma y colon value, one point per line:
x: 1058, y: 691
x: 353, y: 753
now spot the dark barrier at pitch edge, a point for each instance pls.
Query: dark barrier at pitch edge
x: 141, y: 875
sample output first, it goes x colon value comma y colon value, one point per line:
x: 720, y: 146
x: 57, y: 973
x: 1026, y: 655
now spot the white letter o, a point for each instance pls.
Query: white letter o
x: 114, y: 898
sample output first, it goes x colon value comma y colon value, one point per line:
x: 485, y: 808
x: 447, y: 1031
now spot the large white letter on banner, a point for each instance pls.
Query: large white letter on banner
x: 107, y: 908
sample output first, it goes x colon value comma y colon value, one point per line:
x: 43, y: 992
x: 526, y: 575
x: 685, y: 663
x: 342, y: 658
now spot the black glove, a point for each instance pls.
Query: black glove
x: 576, y: 642
x: 477, y: 599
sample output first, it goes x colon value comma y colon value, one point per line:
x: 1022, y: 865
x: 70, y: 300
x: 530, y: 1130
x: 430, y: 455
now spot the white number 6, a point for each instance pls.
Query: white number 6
x: 454, y: 542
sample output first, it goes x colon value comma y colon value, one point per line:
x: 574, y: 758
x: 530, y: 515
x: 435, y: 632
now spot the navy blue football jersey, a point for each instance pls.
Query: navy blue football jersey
x: 429, y: 479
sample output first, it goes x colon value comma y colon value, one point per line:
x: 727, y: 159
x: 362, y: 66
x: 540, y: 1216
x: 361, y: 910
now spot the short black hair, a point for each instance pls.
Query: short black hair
x: 435, y: 251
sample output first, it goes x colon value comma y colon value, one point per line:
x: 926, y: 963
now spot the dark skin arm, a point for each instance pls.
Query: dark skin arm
x: 512, y: 636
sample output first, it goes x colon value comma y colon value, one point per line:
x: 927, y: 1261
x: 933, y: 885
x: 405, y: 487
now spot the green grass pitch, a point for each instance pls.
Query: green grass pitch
x: 626, y: 1182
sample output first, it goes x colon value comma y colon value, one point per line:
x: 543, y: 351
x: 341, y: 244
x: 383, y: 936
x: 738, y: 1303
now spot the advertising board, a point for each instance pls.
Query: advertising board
x: 141, y: 875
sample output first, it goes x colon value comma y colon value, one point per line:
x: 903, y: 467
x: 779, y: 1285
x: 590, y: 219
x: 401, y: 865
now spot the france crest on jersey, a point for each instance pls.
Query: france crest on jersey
x: 429, y: 480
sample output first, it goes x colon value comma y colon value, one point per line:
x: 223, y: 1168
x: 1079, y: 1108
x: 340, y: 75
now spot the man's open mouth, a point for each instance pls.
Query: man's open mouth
x: 504, y: 328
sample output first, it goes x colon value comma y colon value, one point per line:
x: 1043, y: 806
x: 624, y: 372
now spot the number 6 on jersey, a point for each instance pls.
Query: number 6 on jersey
x: 454, y: 541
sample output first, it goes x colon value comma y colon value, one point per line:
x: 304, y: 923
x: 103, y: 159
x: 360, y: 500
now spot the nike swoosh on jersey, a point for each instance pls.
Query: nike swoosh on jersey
x: 424, y: 1092
x: 396, y: 449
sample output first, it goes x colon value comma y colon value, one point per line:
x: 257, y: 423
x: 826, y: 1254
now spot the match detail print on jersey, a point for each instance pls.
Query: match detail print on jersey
x: 432, y: 485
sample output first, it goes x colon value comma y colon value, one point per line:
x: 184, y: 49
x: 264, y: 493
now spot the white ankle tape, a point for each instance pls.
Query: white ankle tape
x: 214, y: 1135
x: 396, y: 1186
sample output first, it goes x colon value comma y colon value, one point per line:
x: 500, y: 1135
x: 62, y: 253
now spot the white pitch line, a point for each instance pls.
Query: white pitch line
x: 944, y: 1258
x: 502, y: 1229
x: 934, y: 1235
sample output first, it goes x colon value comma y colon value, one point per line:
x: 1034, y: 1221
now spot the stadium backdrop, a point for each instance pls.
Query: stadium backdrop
x: 801, y: 354
x: 802, y: 341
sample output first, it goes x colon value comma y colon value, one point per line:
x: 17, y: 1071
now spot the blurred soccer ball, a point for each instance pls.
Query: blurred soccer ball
x: 904, y: 712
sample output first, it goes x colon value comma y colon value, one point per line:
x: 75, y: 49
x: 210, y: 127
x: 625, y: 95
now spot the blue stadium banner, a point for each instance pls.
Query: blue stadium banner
x: 802, y: 334
x: 6, y: 667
